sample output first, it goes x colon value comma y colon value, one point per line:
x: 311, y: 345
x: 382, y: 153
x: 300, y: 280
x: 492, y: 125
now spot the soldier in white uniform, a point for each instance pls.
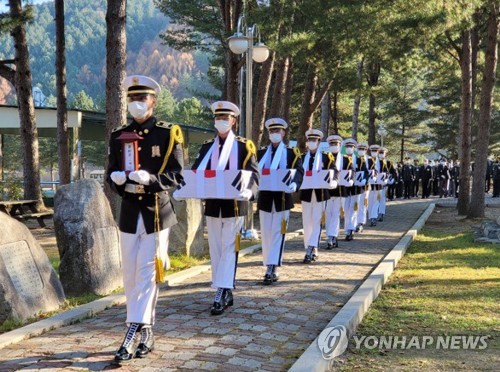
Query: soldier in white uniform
x: 351, y: 200
x: 335, y: 202
x: 390, y: 172
x: 225, y: 217
x: 374, y: 195
x: 314, y: 200
x: 146, y: 208
x: 274, y: 206
x: 362, y: 183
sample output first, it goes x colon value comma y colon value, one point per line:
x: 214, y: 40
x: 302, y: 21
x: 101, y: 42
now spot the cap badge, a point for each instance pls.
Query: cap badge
x: 135, y: 80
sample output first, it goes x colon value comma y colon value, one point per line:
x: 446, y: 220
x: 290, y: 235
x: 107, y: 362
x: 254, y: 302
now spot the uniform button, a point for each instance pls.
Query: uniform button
x: 139, y: 149
x: 138, y: 165
x: 146, y: 131
x: 140, y: 133
x: 140, y: 198
x: 135, y: 131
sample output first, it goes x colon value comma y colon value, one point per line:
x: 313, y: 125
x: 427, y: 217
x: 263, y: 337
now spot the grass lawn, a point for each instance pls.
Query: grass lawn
x: 445, y: 285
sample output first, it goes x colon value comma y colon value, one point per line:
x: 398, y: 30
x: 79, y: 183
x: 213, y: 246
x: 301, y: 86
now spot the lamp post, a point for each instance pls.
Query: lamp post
x: 382, y: 132
x: 241, y: 43
x: 244, y: 43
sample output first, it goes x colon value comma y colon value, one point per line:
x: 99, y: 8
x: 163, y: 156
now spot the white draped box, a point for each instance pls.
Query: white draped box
x: 372, y: 177
x: 276, y: 179
x: 382, y: 178
x: 321, y: 179
x: 213, y: 184
x: 360, y: 179
x: 346, y: 178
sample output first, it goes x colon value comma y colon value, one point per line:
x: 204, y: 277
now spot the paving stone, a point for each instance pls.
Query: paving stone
x: 267, y: 328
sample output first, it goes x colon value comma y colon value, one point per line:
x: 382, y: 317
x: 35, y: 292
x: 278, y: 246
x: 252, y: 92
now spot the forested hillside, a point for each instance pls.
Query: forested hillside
x: 180, y: 72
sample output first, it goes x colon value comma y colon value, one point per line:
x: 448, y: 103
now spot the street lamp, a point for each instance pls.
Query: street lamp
x: 382, y: 132
x: 241, y: 43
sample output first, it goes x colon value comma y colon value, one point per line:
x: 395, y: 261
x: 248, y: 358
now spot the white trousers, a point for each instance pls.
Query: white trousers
x: 273, y: 241
x: 332, y: 210
x: 350, y: 215
x: 373, y: 203
x: 381, y: 207
x: 311, y: 220
x: 139, y: 274
x: 223, y: 256
x: 362, y: 210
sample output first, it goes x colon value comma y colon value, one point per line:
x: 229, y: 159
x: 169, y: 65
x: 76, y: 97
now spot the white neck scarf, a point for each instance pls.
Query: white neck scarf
x: 228, y: 153
x: 279, y: 158
x: 317, y: 161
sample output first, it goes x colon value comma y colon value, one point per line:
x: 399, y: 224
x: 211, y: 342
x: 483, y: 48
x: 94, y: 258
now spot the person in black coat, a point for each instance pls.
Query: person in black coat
x: 416, y: 181
x: 274, y: 206
x: 314, y: 200
x: 225, y: 217
x: 455, y: 176
x: 427, y: 175
x: 443, y: 175
x: 408, y: 175
x: 143, y: 185
x: 495, y: 173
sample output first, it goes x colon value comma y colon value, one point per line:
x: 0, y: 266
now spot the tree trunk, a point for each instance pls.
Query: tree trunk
x: 465, y: 123
x: 28, y: 130
x: 325, y: 113
x: 403, y: 130
x: 116, y: 58
x: 373, y: 73
x: 335, y: 112
x: 260, y: 107
x: 484, y: 125
x: 1, y: 163
x: 278, y: 98
x: 311, y: 101
x: 62, y: 109
x: 357, y: 101
x: 287, y: 100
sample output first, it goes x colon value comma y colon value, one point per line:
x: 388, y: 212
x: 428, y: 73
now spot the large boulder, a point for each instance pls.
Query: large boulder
x: 87, y: 239
x: 186, y: 237
x: 28, y: 282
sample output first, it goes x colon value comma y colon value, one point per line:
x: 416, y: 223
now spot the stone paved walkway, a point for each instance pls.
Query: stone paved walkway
x: 267, y: 329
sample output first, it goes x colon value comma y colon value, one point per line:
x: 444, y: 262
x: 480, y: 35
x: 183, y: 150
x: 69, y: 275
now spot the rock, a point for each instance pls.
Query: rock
x: 186, y: 237
x: 87, y: 239
x: 28, y: 282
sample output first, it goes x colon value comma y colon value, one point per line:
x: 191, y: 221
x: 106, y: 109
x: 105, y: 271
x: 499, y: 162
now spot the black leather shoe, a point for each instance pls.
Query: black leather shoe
x: 126, y: 352
x: 359, y: 228
x: 380, y: 217
x: 329, y: 246
x: 314, y: 257
x: 217, y: 308
x: 275, y: 277
x: 349, y: 236
x: 268, y: 279
x: 307, y: 259
x: 373, y: 222
x: 146, y: 344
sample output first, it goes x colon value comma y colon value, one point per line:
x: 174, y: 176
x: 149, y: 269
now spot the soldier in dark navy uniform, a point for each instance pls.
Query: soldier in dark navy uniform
x: 495, y: 173
x: 427, y: 175
x: 352, y: 192
x: 362, y: 185
x: 144, y: 195
x: 336, y: 198
x: 225, y: 217
x: 375, y: 189
x: 274, y: 206
x: 408, y: 175
x: 314, y: 200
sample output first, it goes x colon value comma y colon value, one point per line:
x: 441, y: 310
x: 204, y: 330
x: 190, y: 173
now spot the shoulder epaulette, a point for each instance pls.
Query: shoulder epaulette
x: 164, y: 124
x: 209, y: 140
x: 120, y: 127
x: 241, y: 139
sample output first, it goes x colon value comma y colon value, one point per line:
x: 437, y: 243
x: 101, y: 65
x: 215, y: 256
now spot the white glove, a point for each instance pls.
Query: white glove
x: 140, y: 176
x: 118, y: 177
x: 292, y: 187
x: 246, y: 194
x: 350, y: 183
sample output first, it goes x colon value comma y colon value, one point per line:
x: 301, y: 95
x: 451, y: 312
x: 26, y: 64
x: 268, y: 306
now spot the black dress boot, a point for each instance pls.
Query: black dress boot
x: 275, y: 276
x: 228, y: 297
x: 146, y: 344
x: 373, y: 222
x: 219, y: 303
x: 268, y: 276
x: 126, y: 352
x: 349, y: 235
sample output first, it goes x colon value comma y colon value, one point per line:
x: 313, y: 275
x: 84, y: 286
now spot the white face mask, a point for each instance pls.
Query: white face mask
x: 361, y: 152
x: 349, y: 150
x: 275, y: 137
x: 138, y: 109
x: 334, y: 149
x: 313, y: 145
x: 381, y: 156
x: 222, y: 126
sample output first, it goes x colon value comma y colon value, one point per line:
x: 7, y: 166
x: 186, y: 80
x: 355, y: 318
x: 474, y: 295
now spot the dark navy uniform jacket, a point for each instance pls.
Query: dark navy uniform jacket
x: 222, y: 207
x: 152, y: 151
x: 321, y: 194
x: 268, y: 198
x: 343, y: 191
